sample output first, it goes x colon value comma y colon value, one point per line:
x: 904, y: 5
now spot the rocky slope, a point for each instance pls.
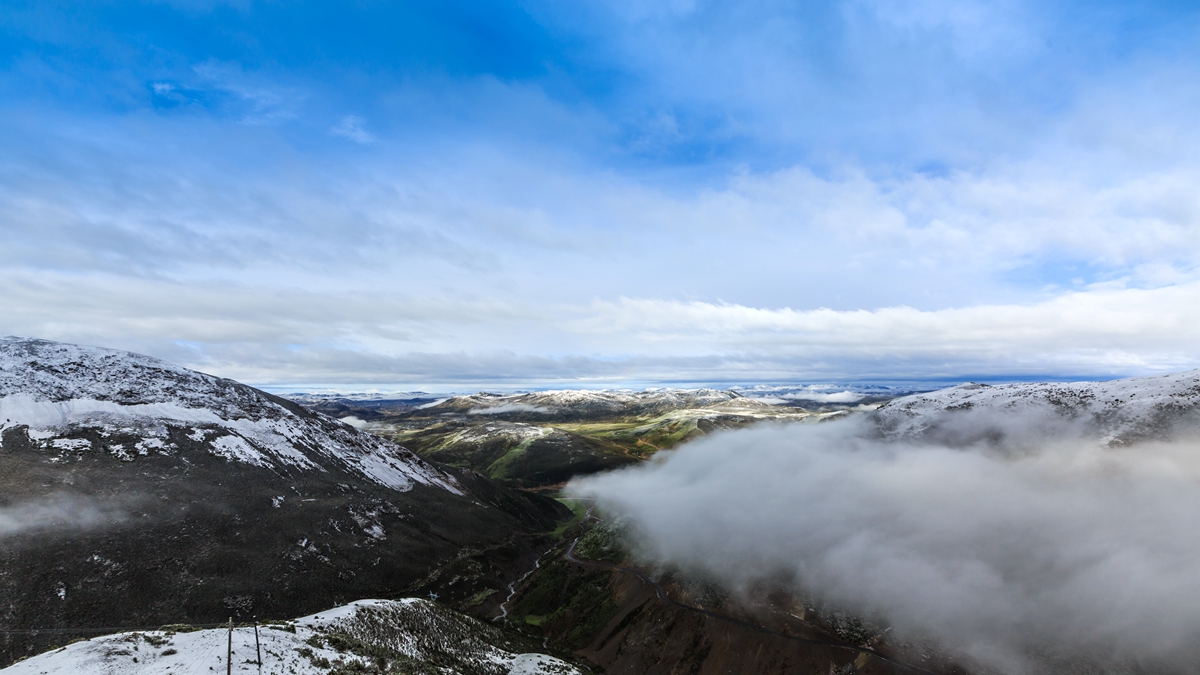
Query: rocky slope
x: 135, y: 492
x: 77, y: 399
x: 368, y: 636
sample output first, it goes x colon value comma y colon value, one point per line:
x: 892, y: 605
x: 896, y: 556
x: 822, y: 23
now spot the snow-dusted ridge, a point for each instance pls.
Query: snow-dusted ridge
x: 1115, y: 412
x: 406, y: 632
x: 128, y: 405
x: 584, y: 402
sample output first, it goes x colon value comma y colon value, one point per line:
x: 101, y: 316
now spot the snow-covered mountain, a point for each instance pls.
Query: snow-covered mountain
x: 136, y: 492
x: 368, y: 636
x: 1115, y: 412
x: 72, y: 399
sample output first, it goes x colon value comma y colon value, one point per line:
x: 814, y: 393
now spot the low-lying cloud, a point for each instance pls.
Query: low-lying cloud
x: 509, y: 408
x: 1018, y: 553
x: 57, y: 512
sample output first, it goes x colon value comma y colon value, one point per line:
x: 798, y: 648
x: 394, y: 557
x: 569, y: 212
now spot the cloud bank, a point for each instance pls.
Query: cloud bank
x: 1025, y: 554
x: 392, y: 336
x: 546, y: 193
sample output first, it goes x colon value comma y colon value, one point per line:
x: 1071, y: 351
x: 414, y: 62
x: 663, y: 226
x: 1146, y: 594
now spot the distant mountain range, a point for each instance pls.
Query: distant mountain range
x: 540, y: 440
x: 577, y: 404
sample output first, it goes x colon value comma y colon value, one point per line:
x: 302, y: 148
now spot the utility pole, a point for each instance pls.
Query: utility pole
x: 257, y: 649
x: 229, y: 650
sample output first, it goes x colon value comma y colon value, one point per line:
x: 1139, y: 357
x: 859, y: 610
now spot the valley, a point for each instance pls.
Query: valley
x: 139, y: 494
x: 540, y: 440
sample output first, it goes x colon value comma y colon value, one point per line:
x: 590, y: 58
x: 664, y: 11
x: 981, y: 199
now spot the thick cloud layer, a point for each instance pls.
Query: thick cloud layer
x: 1017, y: 553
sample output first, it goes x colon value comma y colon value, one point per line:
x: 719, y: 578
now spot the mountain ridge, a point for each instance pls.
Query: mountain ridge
x: 135, y: 492
x: 48, y: 385
x: 1117, y: 412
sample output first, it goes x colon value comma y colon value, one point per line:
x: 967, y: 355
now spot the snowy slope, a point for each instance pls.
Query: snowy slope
x: 71, y: 399
x: 406, y: 634
x: 134, y: 493
x: 1116, y: 412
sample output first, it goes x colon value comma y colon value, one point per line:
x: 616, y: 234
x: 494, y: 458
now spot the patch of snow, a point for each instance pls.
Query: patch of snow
x: 25, y: 408
x: 289, y: 648
x: 74, y: 444
x: 147, y: 444
x: 386, y: 471
x: 236, y: 448
x: 538, y: 664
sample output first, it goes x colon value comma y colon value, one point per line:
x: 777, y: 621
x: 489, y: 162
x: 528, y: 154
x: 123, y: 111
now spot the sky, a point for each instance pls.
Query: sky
x: 502, y: 194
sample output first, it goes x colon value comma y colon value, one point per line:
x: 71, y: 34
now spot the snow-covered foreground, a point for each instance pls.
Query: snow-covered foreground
x: 368, y: 636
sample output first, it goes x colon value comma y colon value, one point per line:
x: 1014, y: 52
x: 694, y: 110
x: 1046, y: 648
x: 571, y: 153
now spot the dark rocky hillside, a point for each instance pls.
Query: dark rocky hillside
x: 137, y: 493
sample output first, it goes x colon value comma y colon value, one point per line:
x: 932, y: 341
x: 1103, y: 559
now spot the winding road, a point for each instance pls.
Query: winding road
x: 512, y: 588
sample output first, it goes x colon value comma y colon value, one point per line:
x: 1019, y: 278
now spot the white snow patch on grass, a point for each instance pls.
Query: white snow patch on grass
x: 283, y: 651
x: 237, y: 449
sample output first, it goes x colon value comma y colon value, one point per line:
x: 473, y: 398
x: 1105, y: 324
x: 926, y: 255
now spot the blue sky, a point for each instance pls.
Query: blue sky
x: 497, y: 193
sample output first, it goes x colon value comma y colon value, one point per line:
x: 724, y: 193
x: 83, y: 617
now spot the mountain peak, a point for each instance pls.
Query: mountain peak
x: 70, y: 398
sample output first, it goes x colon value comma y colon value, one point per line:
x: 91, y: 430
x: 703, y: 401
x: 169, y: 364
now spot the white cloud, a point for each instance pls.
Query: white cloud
x: 267, y: 334
x: 263, y: 100
x: 520, y: 268
x: 508, y: 408
x: 351, y: 127
x: 57, y: 512
x: 1028, y: 557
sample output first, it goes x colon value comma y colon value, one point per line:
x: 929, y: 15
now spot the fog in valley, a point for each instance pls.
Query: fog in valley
x: 1019, y: 542
x: 56, y: 512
